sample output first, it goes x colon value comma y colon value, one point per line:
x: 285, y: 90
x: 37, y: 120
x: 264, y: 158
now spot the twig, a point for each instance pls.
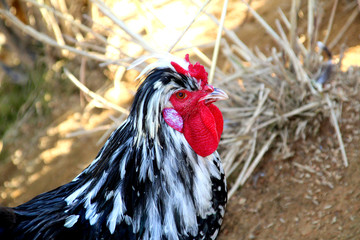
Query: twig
x: 331, y: 20
x: 288, y: 79
x: 264, y: 95
x: 148, y: 8
x: 231, y: 154
x: 200, y: 45
x: 304, y: 167
x: 289, y: 114
x: 202, y: 56
x: 61, y: 4
x: 113, y: 126
x: 93, y: 95
x: 87, y: 132
x: 263, y: 23
x: 239, y: 179
x: 49, y: 18
x: 294, y: 40
x: 47, y: 40
x: 189, y: 25
x: 246, y: 53
x: 260, y: 155
x: 310, y: 23
x: 293, y: 22
x: 337, y: 129
x: 82, y: 80
x: 85, y: 45
x: 348, y: 23
x: 235, y: 165
x: 217, y: 43
x: 110, y: 14
x: 207, y: 61
x: 76, y: 23
x: 300, y: 72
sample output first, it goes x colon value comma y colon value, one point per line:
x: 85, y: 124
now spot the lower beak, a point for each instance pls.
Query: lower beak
x: 214, y: 96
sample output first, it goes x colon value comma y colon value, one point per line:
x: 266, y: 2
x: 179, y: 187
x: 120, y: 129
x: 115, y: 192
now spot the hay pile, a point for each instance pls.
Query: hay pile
x: 277, y: 98
x: 274, y: 98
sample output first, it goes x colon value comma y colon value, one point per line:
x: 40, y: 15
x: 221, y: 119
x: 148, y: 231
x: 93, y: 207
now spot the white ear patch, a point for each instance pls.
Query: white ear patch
x: 173, y: 119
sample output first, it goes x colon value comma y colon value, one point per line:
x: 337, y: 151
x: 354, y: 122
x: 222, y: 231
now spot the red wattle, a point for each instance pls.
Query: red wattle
x: 219, y: 121
x: 203, y: 130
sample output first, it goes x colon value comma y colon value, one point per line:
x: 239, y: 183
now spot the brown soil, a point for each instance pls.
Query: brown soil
x: 309, y: 196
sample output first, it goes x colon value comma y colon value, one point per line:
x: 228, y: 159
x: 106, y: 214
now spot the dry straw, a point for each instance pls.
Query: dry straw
x: 273, y: 98
x: 278, y: 96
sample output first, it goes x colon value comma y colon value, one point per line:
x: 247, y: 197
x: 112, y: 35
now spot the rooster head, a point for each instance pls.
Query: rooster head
x: 189, y: 107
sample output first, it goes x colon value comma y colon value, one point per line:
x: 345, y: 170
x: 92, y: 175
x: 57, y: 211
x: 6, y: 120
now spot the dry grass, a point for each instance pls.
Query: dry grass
x: 279, y: 97
x: 274, y: 99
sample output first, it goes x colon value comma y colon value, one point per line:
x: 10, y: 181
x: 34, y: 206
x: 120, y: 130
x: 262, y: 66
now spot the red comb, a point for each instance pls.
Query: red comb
x: 197, y: 71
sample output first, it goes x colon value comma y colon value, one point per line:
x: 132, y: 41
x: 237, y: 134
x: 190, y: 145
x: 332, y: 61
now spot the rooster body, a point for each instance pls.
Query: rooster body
x: 157, y: 177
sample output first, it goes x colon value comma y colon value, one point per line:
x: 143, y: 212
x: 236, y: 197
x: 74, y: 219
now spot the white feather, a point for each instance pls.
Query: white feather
x: 91, y: 207
x: 117, y: 213
x: 71, y: 220
x: 70, y: 199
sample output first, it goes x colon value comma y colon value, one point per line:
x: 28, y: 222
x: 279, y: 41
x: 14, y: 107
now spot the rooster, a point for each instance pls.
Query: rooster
x: 158, y: 176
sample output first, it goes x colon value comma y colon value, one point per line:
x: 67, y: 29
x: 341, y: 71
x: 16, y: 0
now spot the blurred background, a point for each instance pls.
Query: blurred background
x: 292, y: 124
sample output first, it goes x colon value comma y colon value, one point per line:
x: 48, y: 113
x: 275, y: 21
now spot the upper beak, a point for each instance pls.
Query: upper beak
x: 215, y: 95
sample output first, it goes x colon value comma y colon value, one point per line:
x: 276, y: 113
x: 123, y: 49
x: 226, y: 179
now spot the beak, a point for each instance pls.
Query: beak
x: 215, y: 95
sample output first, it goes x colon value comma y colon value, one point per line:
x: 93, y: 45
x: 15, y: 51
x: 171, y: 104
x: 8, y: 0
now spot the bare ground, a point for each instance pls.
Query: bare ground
x: 309, y: 196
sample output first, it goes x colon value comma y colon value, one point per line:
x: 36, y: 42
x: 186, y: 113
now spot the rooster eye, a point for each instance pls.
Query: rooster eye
x: 181, y: 95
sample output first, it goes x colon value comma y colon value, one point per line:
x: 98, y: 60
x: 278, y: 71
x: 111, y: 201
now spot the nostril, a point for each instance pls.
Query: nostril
x: 208, y: 88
